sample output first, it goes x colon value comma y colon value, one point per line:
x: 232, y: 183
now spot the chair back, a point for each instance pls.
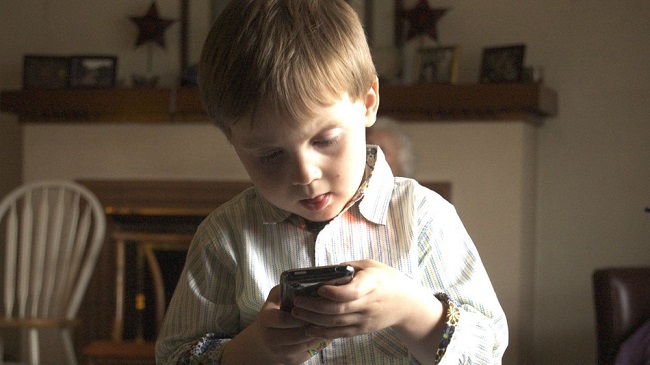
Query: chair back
x: 51, y: 234
x: 622, y: 304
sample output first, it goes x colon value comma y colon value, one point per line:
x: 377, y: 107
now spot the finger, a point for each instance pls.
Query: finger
x: 364, y: 282
x: 272, y: 316
x: 342, y: 293
x: 361, y: 264
x: 331, y: 320
x: 324, y: 305
x: 279, y: 319
x: 332, y: 333
x: 274, y: 295
x: 290, y: 337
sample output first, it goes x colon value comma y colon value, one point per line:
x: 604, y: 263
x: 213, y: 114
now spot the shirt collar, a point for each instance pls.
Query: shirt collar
x: 379, y: 186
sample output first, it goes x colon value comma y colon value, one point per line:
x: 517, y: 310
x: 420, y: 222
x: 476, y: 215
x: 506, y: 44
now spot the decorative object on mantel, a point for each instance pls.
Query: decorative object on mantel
x: 62, y: 72
x: 533, y: 74
x: 190, y: 76
x: 503, y: 64
x: 93, y: 71
x: 46, y: 72
x: 151, y: 29
x: 437, y: 64
x: 422, y: 19
x: 188, y: 66
x: 421, y: 32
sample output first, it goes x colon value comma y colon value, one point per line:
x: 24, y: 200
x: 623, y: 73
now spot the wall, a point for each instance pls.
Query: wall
x: 590, y: 166
x: 496, y: 208
x: 593, y: 171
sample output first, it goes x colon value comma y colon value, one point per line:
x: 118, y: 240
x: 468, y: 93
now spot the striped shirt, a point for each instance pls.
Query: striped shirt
x: 240, y: 250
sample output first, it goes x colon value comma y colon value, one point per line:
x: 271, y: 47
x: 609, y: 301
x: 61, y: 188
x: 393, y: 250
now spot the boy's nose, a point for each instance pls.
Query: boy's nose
x: 305, y: 171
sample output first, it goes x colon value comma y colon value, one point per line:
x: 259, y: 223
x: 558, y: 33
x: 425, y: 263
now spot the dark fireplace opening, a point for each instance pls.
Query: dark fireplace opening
x: 142, y: 324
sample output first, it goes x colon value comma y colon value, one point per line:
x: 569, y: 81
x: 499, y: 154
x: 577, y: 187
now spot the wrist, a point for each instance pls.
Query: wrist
x: 422, y: 327
x: 424, y: 319
x: 246, y: 347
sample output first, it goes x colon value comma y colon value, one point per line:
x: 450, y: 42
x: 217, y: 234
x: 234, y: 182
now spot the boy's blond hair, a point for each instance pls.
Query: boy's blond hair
x: 286, y: 56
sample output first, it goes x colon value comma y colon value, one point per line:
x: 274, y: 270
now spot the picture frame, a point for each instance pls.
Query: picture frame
x: 437, y: 65
x: 504, y: 64
x: 46, y: 72
x: 93, y: 71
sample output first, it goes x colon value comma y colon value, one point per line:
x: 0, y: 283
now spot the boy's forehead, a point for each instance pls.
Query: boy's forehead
x: 266, y: 127
x: 297, y: 106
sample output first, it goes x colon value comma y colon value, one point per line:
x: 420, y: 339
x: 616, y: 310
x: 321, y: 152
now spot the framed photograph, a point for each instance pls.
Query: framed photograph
x: 437, y: 65
x: 93, y: 71
x: 503, y: 64
x: 46, y: 72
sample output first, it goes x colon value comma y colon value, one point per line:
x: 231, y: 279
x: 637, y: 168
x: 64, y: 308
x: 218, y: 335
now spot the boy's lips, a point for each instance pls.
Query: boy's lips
x: 316, y: 203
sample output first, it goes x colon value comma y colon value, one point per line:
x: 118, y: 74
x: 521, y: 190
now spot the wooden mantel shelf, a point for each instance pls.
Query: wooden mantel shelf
x: 530, y: 102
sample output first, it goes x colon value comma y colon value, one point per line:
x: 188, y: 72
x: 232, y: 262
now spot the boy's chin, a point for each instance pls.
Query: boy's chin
x: 318, y: 217
x: 321, y: 216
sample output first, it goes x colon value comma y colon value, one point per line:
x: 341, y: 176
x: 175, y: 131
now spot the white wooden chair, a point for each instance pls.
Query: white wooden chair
x: 53, y: 233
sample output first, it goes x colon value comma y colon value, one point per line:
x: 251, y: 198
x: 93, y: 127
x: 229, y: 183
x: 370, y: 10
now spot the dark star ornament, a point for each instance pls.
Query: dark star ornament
x: 423, y: 19
x: 151, y: 27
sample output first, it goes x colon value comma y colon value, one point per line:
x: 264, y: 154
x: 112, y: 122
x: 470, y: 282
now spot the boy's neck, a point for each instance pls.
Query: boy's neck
x: 315, y: 227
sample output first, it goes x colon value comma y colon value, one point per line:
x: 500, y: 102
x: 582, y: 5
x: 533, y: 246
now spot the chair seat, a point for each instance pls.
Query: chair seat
x: 120, y: 352
x: 37, y: 323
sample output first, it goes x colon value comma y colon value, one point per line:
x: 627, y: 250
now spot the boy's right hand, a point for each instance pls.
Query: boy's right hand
x: 275, y: 337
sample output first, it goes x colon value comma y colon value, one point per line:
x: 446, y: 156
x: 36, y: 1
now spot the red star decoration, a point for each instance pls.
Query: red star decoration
x: 423, y: 20
x: 151, y: 27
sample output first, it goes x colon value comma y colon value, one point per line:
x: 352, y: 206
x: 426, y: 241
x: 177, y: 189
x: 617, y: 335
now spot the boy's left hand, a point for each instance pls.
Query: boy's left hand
x: 379, y: 296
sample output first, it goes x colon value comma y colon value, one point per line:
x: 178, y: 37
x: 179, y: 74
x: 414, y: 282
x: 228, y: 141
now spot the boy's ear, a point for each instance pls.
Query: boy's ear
x: 372, y: 103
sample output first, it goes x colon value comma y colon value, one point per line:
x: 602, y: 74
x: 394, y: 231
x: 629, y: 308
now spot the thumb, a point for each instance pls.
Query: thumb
x: 274, y: 295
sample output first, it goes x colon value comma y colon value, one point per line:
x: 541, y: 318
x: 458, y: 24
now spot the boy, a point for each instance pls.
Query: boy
x: 292, y: 85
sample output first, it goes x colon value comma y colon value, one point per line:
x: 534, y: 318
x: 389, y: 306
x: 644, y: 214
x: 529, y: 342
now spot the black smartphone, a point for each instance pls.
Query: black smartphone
x: 306, y: 281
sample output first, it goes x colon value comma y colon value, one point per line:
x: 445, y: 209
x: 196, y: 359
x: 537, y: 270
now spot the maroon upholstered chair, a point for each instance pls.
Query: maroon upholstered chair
x: 622, y: 303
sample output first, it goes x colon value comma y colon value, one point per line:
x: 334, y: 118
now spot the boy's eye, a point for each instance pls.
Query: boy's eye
x: 328, y: 142
x: 269, y: 157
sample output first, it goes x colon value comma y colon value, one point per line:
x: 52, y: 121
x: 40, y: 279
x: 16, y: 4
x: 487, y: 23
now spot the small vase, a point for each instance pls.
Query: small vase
x: 144, y: 81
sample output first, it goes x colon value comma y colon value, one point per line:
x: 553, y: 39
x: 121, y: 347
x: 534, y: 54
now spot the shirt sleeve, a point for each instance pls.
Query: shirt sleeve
x: 207, y: 350
x: 450, y: 263
x: 202, y: 315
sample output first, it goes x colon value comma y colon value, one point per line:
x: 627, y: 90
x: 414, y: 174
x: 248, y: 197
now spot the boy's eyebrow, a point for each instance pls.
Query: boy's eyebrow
x: 261, y: 141
x: 255, y: 142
